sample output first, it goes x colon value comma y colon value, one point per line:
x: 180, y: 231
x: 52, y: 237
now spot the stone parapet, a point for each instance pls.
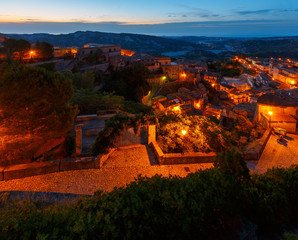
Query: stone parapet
x: 30, y: 169
x: 77, y: 164
x: 181, y: 158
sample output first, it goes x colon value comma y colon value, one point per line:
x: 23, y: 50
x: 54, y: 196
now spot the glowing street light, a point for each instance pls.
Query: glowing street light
x: 177, y: 109
x: 183, y: 75
x: 212, y: 84
x: 270, y: 113
x: 184, y: 132
x: 293, y: 82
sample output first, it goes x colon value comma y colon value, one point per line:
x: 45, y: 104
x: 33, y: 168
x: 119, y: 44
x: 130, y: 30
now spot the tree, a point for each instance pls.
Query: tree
x: 88, y: 80
x: 13, y: 45
x: 44, y: 49
x: 130, y: 82
x: 34, y: 107
x: 231, y: 162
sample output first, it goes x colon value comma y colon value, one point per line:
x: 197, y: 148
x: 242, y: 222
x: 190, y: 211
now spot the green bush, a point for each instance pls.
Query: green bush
x: 202, y: 134
x: 209, y: 204
x: 232, y: 162
x: 110, y: 135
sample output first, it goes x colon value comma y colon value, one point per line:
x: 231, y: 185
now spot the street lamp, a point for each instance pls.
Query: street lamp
x: 184, y: 132
x: 270, y: 113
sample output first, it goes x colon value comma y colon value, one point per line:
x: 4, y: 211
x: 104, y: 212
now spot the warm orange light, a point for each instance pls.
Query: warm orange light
x: 270, y: 113
x: 183, y: 132
x: 177, y: 109
x: 31, y: 52
x: 212, y: 84
x: 292, y: 82
x: 183, y: 75
x: 198, y: 105
x: 232, y: 98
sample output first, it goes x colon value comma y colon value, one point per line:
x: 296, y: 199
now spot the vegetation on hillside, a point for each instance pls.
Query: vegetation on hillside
x: 34, y: 108
x: 179, y: 133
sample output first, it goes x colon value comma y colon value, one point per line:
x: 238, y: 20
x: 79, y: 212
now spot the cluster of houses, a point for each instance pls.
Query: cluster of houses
x: 255, y: 97
x: 190, y: 86
x: 283, y: 70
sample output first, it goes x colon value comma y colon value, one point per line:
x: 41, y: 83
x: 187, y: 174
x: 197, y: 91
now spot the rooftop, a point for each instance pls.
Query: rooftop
x: 286, y: 98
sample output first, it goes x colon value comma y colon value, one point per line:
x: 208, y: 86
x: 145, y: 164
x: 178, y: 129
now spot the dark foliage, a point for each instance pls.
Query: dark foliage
x: 208, y: 204
x: 130, y: 82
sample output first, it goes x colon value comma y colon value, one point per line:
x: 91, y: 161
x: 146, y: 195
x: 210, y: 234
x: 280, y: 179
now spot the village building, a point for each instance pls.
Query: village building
x: 107, y: 50
x: 171, y: 71
x: 279, y: 109
x: 65, y: 51
x: 211, y: 77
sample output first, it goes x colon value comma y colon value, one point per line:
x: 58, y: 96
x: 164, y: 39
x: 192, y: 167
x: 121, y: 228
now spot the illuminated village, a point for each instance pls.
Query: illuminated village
x: 264, y: 96
x: 134, y: 114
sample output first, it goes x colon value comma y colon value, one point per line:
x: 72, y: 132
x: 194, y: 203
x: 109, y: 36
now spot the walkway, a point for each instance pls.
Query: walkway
x: 277, y: 155
x: 125, y: 164
x: 121, y: 168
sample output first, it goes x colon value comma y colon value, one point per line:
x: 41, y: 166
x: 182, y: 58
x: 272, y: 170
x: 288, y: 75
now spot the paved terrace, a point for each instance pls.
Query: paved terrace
x: 121, y: 168
x: 277, y: 154
x: 125, y: 164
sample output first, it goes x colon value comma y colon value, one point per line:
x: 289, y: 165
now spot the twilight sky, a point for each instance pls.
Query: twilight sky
x: 156, y: 17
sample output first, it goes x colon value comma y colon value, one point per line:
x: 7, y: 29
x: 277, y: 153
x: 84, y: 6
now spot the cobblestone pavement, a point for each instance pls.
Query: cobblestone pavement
x: 121, y: 168
x: 125, y: 164
x: 277, y: 154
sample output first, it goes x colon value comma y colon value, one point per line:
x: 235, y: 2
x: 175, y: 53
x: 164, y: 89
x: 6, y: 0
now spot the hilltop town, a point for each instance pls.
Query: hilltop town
x: 258, y: 92
x: 135, y: 124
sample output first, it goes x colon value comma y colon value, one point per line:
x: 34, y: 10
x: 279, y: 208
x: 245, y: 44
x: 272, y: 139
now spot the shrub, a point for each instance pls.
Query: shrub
x: 202, y: 134
x: 209, y: 204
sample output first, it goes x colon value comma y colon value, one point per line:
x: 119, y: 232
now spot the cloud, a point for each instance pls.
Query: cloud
x: 262, y: 11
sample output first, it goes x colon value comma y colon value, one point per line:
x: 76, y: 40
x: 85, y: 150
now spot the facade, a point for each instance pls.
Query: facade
x: 211, y: 77
x: 172, y: 71
x: 279, y: 109
x: 108, y: 50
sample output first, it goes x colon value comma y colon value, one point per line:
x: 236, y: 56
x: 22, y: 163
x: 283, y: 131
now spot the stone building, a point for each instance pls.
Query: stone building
x: 279, y: 109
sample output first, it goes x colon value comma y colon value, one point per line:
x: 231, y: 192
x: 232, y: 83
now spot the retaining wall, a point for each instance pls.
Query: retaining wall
x: 256, y: 153
x: 181, y: 158
x: 196, y: 157
x: 40, y: 168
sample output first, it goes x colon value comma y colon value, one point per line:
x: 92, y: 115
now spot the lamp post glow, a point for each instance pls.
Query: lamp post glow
x: 183, y: 132
x: 270, y: 113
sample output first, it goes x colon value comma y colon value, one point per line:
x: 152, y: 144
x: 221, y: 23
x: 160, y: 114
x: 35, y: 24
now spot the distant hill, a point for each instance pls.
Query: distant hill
x: 135, y: 42
x: 284, y: 47
x: 195, y: 48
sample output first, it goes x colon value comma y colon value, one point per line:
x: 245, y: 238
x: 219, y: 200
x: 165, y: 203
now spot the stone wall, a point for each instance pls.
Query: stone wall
x: 40, y: 168
x: 181, y: 158
x: 255, y: 153
x: 130, y: 138
x: 196, y: 157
